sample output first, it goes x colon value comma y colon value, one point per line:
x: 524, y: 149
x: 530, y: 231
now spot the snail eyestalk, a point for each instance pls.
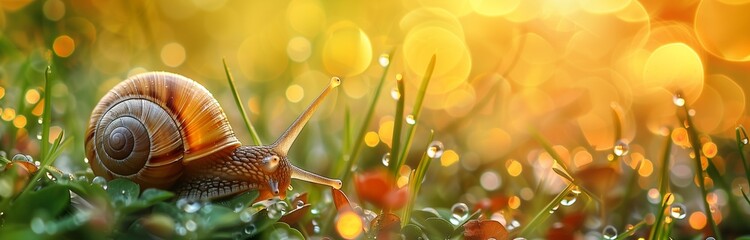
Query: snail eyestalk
x: 301, y: 174
x: 286, y: 139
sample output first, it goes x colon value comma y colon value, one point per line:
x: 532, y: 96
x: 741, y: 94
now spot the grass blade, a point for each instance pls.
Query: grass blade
x: 363, y: 129
x: 415, y: 183
x: 657, y: 227
x: 417, y: 109
x: 238, y: 101
x: 741, y: 135
x: 696, y: 143
x: 630, y: 231
x: 545, y: 213
x: 397, y: 125
x: 47, y: 114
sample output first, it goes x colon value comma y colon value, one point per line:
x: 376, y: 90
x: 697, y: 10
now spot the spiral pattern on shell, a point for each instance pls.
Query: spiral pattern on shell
x: 149, y: 126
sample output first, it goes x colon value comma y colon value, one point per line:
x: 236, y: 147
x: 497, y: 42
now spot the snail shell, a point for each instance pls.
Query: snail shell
x: 149, y: 126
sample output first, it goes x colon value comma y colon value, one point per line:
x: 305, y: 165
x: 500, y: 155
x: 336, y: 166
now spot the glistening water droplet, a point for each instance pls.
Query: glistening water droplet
x: 569, y: 199
x: 609, y: 232
x: 384, y: 60
x: 678, y: 211
x: 386, y: 159
x: 621, y: 148
x: 250, y: 229
x: 459, y: 211
x: 395, y: 94
x: 678, y: 100
x: 435, y: 149
x: 410, y: 119
x: 190, y: 225
x: 299, y: 203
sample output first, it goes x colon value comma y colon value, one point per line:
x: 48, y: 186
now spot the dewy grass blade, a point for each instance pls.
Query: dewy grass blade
x: 657, y: 227
x: 742, y: 140
x: 398, y: 123
x: 544, y: 213
x: 630, y: 231
x: 363, y: 129
x: 664, y: 177
x: 417, y: 109
x: 695, y: 142
x: 415, y: 182
x: 46, y: 154
x: 238, y: 101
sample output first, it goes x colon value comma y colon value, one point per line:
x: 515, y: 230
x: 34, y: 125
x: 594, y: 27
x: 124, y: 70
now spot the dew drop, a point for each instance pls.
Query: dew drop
x: 316, y: 226
x: 250, y: 229
x: 691, y: 112
x: 384, y: 60
x: 39, y: 136
x: 246, y: 216
x: 410, y: 119
x: 569, y: 199
x: 289, y: 188
x: 459, y: 211
x: 238, y: 207
x: 575, y: 190
x: 99, y: 180
x: 621, y: 148
x: 188, y: 206
x: 678, y: 100
x: 395, y: 94
x: 710, y: 238
x: 20, y: 157
x: 556, y: 207
x: 282, y: 207
x: 435, y: 149
x: 386, y: 159
x: 299, y: 203
x: 609, y: 232
x: 180, y: 230
x: 85, y: 160
x: 678, y: 211
x: 37, y: 225
x: 190, y: 225
x: 39, y: 121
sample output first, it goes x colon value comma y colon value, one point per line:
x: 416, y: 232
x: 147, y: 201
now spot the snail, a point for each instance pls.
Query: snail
x: 163, y: 130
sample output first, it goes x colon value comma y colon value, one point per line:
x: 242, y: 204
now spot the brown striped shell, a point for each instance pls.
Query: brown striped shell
x: 151, y: 125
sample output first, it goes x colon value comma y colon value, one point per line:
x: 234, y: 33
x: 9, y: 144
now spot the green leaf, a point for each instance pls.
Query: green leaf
x: 421, y: 216
x: 281, y: 230
x: 243, y: 200
x: 412, y: 231
x: 51, y: 201
x: 438, y: 228
x: 123, y: 189
x: 153, y: 195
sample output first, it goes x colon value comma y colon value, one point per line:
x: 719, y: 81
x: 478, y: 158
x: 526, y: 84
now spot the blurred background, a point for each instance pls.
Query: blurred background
x: 599, y: 79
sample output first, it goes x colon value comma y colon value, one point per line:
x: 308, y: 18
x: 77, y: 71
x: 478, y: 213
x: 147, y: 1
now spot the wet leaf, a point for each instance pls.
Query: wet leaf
x: 484, y: 229
x: 282, y: 231
x: 51, y: 201
x: 340, y: 200
x: 152, y: 195
x: 296, y: 214
x: 438, y: 228
x: 385, y: 226
x: 122, y: 189
x: 245, y: 199
x: 411, y: 231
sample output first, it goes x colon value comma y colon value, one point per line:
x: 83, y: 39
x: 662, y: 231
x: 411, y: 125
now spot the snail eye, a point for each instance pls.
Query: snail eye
x: 270, y: 163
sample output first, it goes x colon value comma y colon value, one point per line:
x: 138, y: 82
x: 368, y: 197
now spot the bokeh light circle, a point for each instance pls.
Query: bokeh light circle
x: 722, y: 28
x: 347, y: 50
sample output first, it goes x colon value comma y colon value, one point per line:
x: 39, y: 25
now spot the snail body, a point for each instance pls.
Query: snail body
x: 166, y: 131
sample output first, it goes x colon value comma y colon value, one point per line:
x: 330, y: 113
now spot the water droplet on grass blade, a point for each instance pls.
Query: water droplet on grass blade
x: 410, y: 119
x: 609, y: 232
x: 621, y: 148
x: 395, y: 94
x: 386, y: 160
x: 384, y: 60
x: 435, y: 149
x: 569, y: 199
x: 678, y: 100
x: 678, y: 211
